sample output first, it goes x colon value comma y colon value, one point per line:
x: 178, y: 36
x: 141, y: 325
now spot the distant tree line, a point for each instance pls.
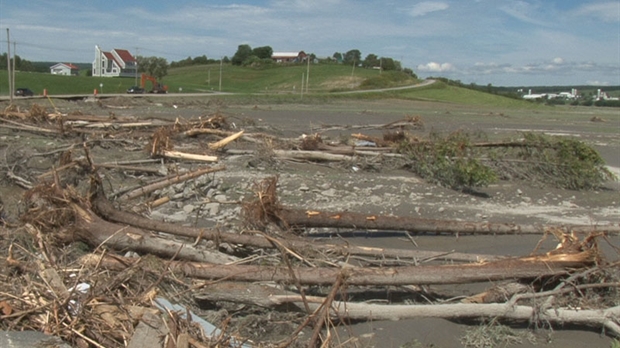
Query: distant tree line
x: 255, y: 57
x: 20, y: 64
x: 372, y: 61
x: 189, y: 61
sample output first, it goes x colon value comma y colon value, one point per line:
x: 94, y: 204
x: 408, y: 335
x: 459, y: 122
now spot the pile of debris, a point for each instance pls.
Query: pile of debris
x: 85, y: 265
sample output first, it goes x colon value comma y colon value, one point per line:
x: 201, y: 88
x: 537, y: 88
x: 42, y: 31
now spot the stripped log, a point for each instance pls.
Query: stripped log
x: 264, y: 296
x: 189, y: 156
x: 312, y: 156
x: 220, y: 144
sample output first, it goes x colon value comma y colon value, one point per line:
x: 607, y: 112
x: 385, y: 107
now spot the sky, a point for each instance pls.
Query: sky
x: 501, y: 42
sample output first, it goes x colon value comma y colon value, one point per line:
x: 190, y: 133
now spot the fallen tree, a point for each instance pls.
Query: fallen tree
x: 516, y: 268
x: 269, y: 296
x: 267, y: 209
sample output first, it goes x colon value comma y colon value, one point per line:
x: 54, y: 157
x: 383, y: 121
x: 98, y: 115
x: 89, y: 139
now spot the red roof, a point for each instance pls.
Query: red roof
x: 125, y: 55
x: 110, y: 56
x: 71, y: 66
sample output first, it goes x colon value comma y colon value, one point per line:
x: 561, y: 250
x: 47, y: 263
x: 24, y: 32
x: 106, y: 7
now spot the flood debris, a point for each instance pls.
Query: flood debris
x: 86, y: 264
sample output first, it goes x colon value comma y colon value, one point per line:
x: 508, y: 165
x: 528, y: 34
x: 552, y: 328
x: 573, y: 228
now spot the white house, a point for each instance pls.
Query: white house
x: 64, y: 69
x: 118, y: 62
x: 289, y: 57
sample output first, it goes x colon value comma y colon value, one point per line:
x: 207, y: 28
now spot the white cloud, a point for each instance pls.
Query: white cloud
x: 607, y: 11
x: 435, y: 67
x: 523, y: 11
x: 427, y: 7
x: 558, y: 60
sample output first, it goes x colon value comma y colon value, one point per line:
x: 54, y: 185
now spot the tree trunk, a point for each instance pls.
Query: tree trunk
x: 104, y: 208
x: 97, y: 232
x: 305, y: 218
x: 518, y: 268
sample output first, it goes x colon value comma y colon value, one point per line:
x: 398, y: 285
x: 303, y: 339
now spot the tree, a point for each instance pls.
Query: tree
x: 201, y: 60
x: 353, y: 56
x: 264, y: 52
x: 243, y: 53
x: 337, y: 56
x: 20, y: 64
x: 390, y: 64
x: 154, y: 66
x: 371, y: 61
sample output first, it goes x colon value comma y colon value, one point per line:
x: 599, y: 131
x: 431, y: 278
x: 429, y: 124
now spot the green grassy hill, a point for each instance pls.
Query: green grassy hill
x: 202, y: 78
x: 441, y: 92
x: 281, y: 83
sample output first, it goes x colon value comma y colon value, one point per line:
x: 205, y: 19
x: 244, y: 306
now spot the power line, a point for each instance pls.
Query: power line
x: 51, y: 48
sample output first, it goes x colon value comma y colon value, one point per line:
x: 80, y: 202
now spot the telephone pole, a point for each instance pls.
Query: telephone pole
x: 221, y: 62
x: 8, y: 62
x: 307, y: 75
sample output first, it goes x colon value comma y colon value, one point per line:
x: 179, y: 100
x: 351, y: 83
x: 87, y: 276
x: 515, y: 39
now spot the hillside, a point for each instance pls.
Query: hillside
x: 324, y: 78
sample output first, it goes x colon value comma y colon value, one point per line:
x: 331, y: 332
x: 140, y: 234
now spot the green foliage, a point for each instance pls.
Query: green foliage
x: 564, y: 162
x: 371, y: 61
x: 20, y: 64
x: 390, y: 64
x: 200, y: 60
x: 449, y: 161
x: 455, y: 161
x: 243, y: 53
x: 264, y: 52
x: 352, y: 56
x: 256, y: 62
x: 607, y: 103
x: 154, y: 66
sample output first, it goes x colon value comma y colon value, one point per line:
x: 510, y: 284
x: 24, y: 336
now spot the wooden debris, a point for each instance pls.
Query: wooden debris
x: 189, y: 156
x: 170, y: 181
x: 222, y: 143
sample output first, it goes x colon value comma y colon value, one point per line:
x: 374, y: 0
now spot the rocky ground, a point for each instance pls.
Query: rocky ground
x: 372, y: 186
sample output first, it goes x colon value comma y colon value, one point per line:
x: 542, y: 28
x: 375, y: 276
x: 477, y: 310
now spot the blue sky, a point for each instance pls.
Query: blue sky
x: 506, y: 43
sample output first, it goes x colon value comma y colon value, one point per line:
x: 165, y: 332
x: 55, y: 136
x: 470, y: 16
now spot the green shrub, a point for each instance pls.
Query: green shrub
x: 449, y: 161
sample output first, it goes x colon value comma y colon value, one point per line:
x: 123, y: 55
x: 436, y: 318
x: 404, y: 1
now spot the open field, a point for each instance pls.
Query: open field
x: 206, y: 78
x: 377, y: 189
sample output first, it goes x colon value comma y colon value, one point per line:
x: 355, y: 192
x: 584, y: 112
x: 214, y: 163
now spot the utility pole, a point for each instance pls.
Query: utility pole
x: 13, y: 71
x: 302, y: 85
x: 307, y: 75
x: 8, y: 60
x: 221, y: 62
x: 136, y: 66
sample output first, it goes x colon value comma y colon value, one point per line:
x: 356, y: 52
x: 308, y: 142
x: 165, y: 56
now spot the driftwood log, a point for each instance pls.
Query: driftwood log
x: 271, y: 296
x: 104, y: 208
x: 530, y: 268
x: 97, y: 232
x: 311, y: 218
